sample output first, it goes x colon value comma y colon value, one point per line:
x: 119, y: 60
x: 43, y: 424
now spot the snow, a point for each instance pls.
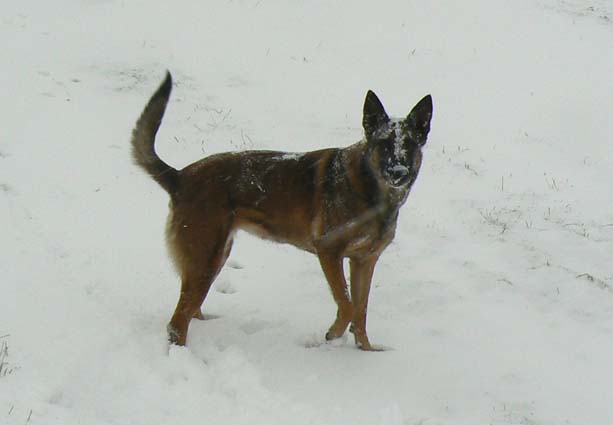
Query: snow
x: 291, y: 156
x: 496, y: 298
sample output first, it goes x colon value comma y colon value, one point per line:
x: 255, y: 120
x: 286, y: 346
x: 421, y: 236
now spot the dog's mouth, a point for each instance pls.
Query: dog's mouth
x: 399, y: 176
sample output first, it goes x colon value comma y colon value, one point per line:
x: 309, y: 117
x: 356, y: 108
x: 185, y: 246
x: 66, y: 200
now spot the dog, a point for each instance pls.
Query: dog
x: 335, y: 203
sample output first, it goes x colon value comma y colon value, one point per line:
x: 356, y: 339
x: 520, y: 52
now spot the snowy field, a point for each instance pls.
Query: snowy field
x: 496, y: 298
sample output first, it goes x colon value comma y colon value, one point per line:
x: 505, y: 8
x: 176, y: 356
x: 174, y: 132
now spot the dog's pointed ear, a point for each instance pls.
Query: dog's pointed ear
x: 420, y: 116
x: 374, y: 114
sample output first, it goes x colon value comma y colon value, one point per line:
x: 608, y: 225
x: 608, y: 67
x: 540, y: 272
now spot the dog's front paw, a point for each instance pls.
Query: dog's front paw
x: 338, y: 328
x: 362, y: 342
x: 370, y: 347
x: 332, y: 335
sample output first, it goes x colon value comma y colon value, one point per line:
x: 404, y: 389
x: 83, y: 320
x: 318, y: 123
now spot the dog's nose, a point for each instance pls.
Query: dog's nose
x: 399, y: 175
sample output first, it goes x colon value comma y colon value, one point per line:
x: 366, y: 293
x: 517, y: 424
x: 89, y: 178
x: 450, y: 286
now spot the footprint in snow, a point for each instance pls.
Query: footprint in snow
x: 225, y: 287
x: 233, y: 264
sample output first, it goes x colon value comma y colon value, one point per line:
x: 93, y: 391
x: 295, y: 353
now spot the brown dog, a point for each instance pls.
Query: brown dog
x: 336, y: 203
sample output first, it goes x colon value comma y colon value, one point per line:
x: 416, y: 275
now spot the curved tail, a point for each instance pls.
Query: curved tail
x: 143, y: 139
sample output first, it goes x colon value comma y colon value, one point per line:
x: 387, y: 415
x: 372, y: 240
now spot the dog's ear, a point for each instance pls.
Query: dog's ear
x: 420, y: 116
x: 374, y: 114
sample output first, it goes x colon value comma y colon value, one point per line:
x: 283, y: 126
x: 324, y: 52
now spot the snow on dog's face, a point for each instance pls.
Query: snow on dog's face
x: 396, y: 143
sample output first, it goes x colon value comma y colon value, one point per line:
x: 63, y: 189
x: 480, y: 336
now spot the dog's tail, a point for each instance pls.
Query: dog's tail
x: 143, y: 139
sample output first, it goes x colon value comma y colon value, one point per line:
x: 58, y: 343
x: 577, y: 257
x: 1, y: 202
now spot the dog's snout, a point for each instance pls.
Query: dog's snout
x: 399, y: 175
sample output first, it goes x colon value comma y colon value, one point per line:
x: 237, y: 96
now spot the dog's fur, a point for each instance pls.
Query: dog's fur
x: 336, y: 203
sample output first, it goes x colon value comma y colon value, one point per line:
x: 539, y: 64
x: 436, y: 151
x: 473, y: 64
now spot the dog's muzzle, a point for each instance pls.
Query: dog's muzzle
x: 399, y: 175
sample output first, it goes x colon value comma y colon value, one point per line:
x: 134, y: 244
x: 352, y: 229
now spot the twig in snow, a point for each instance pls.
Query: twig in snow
x: 587, y: 275
x: 469, y: 168
x: 598, y: 282
x: 507, y: 281
x: 553, y: 185
x: 489, y: 218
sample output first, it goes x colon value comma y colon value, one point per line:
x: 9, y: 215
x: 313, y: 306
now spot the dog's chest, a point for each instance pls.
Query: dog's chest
x: 369, y: 243
x: 372, y: 234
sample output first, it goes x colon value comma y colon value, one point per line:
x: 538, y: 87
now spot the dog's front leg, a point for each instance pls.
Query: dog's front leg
x: 332, y: 265
x: 361, y: 275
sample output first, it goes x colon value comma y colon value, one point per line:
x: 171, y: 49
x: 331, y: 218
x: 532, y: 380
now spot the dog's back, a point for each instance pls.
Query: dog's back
x: 271, y: 194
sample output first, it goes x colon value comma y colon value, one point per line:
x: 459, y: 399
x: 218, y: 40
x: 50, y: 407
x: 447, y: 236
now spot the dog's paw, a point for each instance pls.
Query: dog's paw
x: 330, y: 336
x: 173, y: 335
x: 374, y: 347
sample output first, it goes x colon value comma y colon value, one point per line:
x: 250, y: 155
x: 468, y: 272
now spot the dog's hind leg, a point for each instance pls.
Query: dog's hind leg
x: 194, y: 288
x: 198, y: 314
x: 332, y: 266
x: 201, y: 254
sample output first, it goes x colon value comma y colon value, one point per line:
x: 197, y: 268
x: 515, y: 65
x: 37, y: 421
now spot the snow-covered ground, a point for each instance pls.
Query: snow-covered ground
x: 496, y: 298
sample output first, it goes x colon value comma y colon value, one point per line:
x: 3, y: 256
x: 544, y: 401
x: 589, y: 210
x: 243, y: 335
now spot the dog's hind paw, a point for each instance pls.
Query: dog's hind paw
x: 173, y: 334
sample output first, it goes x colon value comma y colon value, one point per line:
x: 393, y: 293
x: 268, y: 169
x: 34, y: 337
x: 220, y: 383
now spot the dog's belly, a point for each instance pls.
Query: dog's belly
x: 278, y: 234
x: 361, y: 244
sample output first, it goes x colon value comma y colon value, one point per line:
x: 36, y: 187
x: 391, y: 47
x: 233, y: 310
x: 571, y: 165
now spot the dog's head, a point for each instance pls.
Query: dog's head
x: 395, y: 144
